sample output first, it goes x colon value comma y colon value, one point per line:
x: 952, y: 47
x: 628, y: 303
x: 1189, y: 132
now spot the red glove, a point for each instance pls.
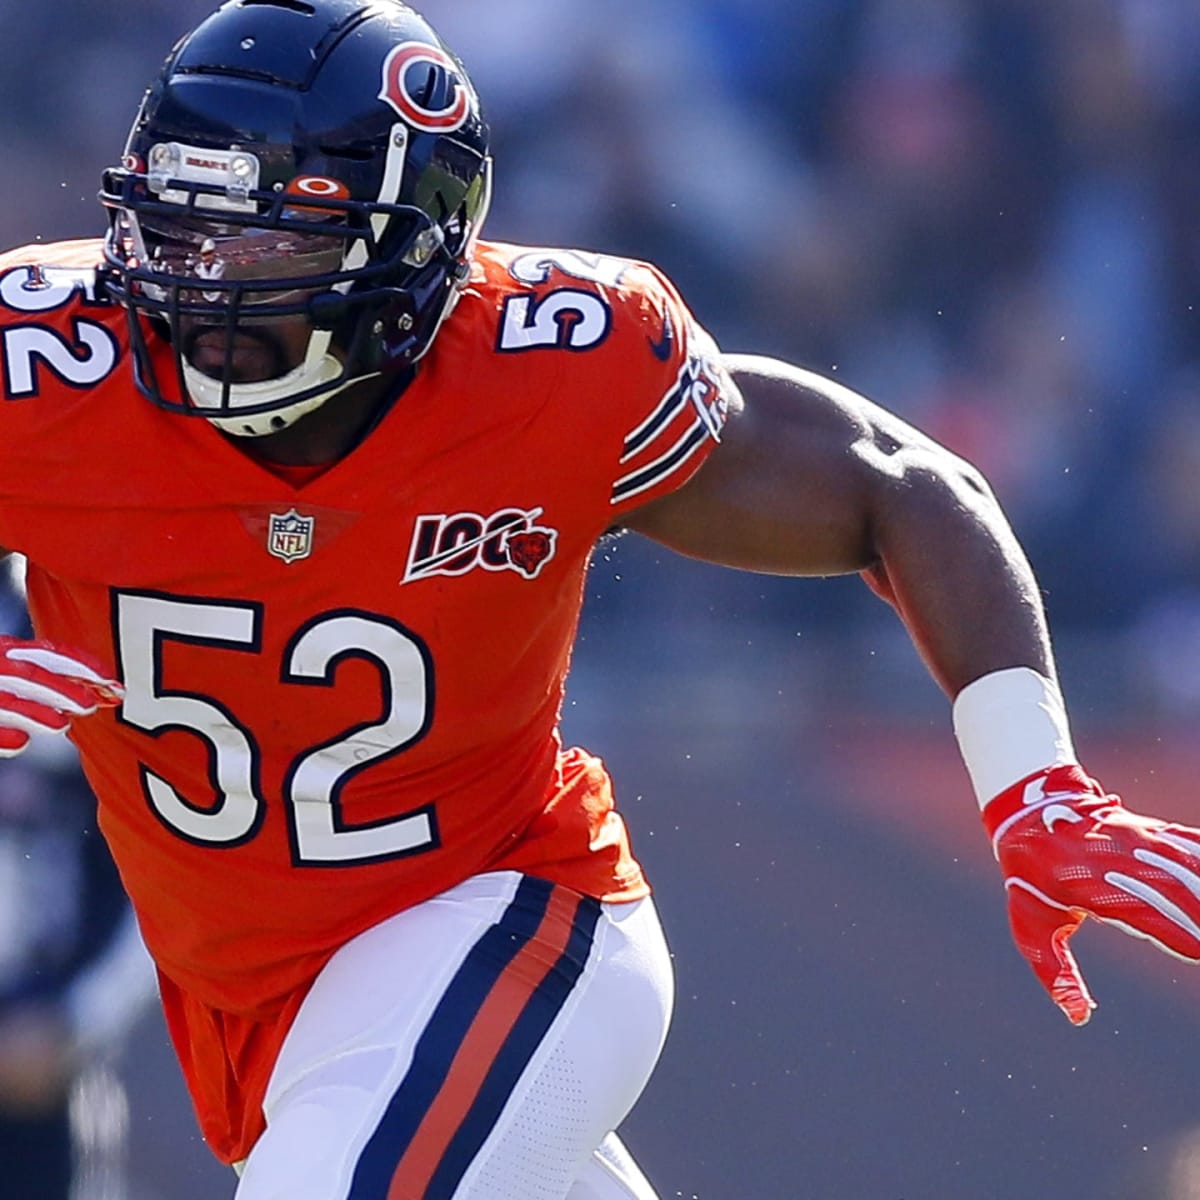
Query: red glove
x: 1068, y: 851
x: 43, y: 688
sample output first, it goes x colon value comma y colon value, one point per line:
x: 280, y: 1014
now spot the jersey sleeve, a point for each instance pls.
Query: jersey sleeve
x: 673, y: 393
x: 623, y: 395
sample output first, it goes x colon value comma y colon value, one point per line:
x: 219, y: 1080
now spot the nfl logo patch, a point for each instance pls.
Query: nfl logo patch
x: 290, y: 536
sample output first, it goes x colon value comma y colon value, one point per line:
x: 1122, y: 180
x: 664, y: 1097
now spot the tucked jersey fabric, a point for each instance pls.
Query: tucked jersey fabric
x: 342, y: 692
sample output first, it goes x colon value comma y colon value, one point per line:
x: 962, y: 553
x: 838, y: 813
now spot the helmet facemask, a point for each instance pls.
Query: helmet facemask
x: 335, y: 156
x: 274, y: 301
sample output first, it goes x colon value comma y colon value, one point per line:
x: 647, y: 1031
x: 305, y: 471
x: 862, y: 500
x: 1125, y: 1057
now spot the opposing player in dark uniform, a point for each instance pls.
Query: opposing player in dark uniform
x: 307, y: 542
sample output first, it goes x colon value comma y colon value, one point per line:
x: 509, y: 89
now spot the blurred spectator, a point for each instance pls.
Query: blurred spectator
x: 73, y: 976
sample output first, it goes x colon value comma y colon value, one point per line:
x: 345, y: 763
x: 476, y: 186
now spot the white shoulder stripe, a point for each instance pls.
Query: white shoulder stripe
x: 662, y: 415
x: 665, y: 465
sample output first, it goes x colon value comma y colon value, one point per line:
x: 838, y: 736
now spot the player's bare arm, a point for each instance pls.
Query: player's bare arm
x: 813, y: 479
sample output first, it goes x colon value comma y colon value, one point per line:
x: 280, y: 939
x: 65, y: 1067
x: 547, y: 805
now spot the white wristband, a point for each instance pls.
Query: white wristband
x: 1010, y: 724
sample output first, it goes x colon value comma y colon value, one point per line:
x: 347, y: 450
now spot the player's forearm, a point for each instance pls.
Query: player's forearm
x: 948, y: 561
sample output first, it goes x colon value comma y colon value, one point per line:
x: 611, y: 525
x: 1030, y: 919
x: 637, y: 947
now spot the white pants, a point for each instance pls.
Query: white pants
x: 480, y: 1046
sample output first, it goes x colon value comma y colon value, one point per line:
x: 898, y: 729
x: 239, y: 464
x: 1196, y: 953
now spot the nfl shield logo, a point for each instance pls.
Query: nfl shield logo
x: 290, y: 536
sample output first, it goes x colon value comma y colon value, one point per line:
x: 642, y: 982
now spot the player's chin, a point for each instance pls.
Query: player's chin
x: 247, y: 356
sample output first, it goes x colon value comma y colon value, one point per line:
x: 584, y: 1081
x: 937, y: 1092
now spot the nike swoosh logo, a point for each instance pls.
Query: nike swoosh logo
x: 1053, y: 813
x: 662, y: 348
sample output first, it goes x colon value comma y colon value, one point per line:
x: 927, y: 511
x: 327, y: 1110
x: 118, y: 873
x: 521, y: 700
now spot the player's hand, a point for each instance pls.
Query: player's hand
x: 1069, y: 851
x: 44, y: 688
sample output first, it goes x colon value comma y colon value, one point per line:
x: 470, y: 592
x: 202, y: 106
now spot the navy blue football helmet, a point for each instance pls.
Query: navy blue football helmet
x: 311, y: 165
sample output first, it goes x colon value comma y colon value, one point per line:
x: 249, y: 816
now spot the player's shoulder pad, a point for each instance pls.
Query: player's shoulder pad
x: 514, y: 266
x: 59, y: 334
x: 556, y: 298
x: 43, y: 278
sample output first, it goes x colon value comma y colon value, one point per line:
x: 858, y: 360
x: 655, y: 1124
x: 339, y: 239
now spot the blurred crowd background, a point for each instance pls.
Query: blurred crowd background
x: 985, y: 214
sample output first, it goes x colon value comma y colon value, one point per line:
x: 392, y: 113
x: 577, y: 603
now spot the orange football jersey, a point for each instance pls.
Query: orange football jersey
x: 342, y: 697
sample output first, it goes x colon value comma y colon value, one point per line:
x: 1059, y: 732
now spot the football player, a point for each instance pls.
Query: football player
x: 307, y: 539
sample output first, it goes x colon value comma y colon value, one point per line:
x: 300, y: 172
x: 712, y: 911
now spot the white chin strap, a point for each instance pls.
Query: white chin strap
x: 318, y: 367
